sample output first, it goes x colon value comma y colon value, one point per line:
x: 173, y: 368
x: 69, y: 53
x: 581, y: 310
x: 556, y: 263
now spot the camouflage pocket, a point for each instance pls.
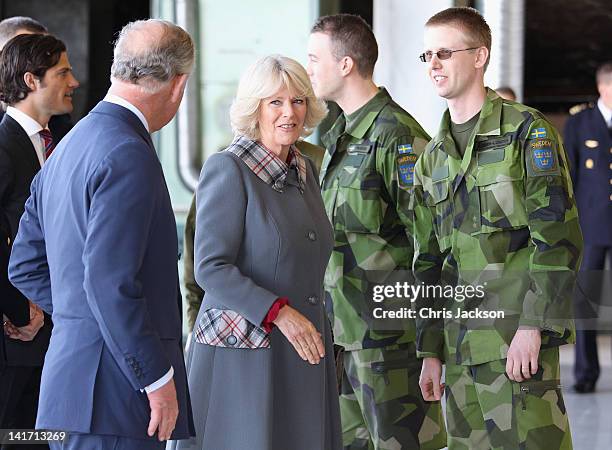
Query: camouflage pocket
x: 437, y: 197
x: 359, y: 210
x: 502, y: 198
x: 531, y: 393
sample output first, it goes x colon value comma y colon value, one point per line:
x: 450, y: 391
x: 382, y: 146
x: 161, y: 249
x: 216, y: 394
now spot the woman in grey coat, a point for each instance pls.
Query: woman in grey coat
x: 261, y: 369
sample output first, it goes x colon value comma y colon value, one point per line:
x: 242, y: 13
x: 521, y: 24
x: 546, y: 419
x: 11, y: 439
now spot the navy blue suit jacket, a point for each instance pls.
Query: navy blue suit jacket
x: 97, y: 248
x: 589, y: 148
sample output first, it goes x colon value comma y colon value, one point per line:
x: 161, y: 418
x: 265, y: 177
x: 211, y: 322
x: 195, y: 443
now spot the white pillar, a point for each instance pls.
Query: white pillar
x: 398, y: 26
x: 506, y: 19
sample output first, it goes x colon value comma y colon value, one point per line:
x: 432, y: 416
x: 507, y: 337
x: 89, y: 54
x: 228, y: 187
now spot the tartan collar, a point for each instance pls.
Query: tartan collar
x: 267, y: 166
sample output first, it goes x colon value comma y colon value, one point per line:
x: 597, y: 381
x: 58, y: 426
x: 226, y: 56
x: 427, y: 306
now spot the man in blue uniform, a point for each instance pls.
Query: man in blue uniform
x: 589, y: 147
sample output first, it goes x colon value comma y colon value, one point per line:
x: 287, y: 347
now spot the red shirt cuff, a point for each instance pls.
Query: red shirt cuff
x: 267, y: 324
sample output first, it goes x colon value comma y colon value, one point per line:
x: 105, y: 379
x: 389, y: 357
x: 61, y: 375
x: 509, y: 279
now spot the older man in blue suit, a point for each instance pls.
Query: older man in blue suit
x: 97, y: 248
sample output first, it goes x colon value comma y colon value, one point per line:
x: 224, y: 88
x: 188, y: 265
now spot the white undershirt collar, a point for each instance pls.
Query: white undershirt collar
x: 605, y: 111
x: 112, y: 98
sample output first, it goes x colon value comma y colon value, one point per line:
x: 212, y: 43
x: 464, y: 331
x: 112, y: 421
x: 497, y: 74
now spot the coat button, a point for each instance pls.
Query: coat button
x: 589, y: 163
x: 313, y: 300
x: 312, y: 235
x: 378, y: 369
x: 231, y: 340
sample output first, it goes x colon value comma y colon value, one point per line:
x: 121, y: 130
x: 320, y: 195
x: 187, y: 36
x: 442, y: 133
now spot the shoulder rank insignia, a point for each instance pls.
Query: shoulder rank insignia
x: 538, y: 133
x: 577, y: 108
x: 406, y: 160
x: 543, y: 158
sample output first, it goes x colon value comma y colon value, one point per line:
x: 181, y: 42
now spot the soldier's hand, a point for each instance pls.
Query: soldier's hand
x: 429, y: 381
x: 523, y: 354
x: 301, y: 333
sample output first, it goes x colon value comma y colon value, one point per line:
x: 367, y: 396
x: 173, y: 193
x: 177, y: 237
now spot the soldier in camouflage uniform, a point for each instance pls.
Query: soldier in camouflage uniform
x: 494, y: 207
x: 366, y: 179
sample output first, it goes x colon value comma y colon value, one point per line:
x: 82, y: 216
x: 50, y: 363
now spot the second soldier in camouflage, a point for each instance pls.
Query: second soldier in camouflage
x: 366, y: 180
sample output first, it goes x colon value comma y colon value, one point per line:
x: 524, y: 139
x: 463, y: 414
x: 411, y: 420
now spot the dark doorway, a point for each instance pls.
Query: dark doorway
x: 563, y: 49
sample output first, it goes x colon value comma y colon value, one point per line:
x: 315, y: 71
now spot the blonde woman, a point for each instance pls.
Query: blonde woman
x: 261, y: 369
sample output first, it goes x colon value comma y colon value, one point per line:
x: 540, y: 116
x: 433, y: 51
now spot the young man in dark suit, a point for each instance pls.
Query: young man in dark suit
x: 36, y: 82
x: 14, y: 26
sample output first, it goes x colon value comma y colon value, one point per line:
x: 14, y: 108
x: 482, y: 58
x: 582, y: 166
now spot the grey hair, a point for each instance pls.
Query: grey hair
x: 10, y: 26
x: 153, y: 59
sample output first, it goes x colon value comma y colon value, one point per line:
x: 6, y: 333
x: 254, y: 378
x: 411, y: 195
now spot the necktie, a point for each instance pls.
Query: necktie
x: 48, y: 141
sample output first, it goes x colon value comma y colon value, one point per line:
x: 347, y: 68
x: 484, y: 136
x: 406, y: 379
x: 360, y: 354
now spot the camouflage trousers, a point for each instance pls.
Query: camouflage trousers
x: 486, y: 410
x: 381, y: 404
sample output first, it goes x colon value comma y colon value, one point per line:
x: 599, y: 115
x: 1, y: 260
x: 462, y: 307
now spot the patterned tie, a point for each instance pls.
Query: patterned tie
x: 48, y: 141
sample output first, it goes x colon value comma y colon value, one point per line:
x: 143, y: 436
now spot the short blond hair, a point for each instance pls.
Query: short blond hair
x: 470, y: 22
x: 265, y: 78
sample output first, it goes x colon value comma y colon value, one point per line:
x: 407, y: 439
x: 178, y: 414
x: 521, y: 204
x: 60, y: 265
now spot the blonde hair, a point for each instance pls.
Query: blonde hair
x: 265, y: 78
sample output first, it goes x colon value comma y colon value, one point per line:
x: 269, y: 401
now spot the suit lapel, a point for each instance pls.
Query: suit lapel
x: 21, y: 142
x: 601, y: 127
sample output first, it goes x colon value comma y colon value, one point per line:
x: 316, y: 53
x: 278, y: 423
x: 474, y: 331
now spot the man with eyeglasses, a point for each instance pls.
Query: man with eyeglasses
x: 494, y: 212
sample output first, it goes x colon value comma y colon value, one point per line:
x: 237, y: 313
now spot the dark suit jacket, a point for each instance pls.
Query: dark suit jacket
x: 97, y: 247
x: 58, y: 125
x: 589, y: 148
x: 18, y: 165
x: 12, y: 303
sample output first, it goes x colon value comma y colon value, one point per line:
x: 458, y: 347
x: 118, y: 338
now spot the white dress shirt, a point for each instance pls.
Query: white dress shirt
x: 605, y: 112
x: 111, y: 98
x: 115, y: 99
x: 31, y: 127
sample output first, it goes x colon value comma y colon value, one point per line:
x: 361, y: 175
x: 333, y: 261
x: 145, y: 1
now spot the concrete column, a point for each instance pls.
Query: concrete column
x: 506, y: 19
x: 398, y: 26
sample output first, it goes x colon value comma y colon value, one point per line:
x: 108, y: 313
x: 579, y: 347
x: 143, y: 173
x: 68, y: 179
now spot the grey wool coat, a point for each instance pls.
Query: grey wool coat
x: 254, y: 244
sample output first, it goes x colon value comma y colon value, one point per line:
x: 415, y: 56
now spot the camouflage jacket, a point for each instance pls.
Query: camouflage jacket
x: 366, y: 180
x: 503, y: 217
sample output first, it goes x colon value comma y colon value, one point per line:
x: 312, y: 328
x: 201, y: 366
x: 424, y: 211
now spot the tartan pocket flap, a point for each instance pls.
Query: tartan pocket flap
x: 227, y: 328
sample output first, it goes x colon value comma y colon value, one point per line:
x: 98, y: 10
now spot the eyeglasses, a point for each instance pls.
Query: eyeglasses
x: 441, y: 54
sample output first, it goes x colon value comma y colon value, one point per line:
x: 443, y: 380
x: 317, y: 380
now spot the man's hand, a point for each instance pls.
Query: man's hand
x: 523, y: 354
x: 28, y: 332
x: 431, y: 374
x: 164, y: 411
x: 301, y: 333
x: 9, y: 329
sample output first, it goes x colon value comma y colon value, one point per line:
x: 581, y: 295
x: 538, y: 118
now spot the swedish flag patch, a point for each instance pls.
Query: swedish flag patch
x: 406, y: 160
x: 403, y: 149
x: 538, y: 133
